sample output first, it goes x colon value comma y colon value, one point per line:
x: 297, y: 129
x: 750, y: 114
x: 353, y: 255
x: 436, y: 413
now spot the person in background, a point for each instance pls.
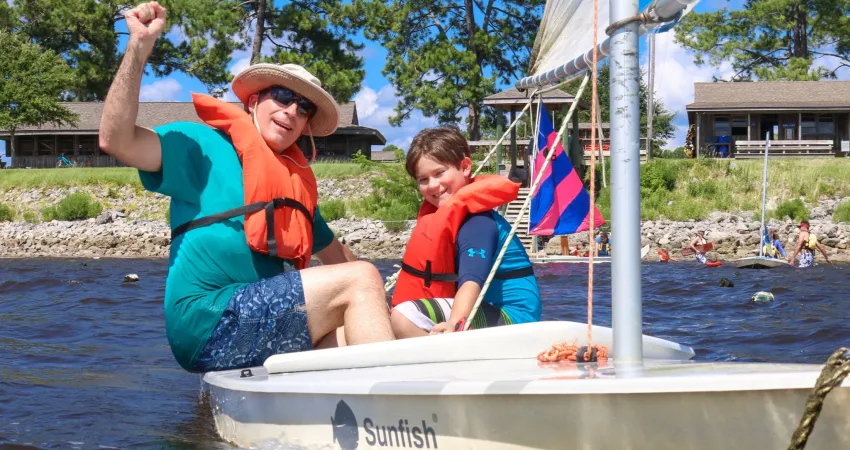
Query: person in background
x: 807, y: 243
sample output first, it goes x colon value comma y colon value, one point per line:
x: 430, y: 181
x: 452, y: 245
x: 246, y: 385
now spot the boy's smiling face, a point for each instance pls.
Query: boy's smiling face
x: 438, y: 181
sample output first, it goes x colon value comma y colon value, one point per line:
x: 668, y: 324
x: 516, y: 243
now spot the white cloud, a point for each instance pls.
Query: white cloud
x: 238, y: 66
x: 166, y: 90
x: 176, y: 35
x: 675, y: 75
x: 367, y: 102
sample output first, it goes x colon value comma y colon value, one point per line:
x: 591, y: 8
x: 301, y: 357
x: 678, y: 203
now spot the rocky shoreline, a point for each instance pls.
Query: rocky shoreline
x: 133, y: 225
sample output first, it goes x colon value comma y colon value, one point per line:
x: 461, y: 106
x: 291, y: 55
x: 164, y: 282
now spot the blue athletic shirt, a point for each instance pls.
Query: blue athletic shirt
x: 203, y: 176
x: 479, y: 241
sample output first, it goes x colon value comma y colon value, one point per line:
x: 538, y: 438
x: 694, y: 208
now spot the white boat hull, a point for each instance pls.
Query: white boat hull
x: 760, y: 262
x: 486, y: 389
x: 517, y: 404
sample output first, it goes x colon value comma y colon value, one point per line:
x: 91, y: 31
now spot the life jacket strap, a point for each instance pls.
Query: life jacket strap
x: 270, y: 206
x: 429, y: 276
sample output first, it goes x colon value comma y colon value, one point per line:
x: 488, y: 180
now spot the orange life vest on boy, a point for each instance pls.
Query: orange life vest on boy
x: 280, y: 193
x: 428, y: 266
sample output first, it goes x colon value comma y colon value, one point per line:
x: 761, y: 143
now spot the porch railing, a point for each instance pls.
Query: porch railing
x: 805, y: 149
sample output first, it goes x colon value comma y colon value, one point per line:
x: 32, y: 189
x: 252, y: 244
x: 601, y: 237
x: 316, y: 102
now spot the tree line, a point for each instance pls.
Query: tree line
x: 444, y: 56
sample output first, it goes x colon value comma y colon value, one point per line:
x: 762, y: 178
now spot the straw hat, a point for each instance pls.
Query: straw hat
x: 262, y: 76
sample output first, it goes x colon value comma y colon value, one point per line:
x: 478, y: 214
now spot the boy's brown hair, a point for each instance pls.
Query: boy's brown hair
x: 444, y: 144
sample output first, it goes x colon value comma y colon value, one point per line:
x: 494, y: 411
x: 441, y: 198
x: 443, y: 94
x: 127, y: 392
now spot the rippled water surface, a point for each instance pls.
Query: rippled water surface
x: 85, y: 362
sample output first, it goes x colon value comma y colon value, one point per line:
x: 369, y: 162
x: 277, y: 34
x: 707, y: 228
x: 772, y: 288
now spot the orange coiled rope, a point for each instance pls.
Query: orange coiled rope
x: 562, y: 351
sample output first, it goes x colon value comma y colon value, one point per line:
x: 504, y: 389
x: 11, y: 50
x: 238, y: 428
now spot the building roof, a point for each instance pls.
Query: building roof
x: 152, y: 114
x: 761, y: 95
x: 513, y: 96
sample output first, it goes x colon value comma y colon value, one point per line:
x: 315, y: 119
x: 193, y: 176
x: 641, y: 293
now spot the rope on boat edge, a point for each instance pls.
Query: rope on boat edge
x: 833, y: 374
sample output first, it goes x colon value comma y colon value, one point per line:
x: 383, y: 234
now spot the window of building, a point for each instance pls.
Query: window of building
x: 45, y: 146
x: 25, y: 146
x: 825, y: 124
x: 818, y: 127
x: 722, y: 126
x: 86, y: 145
x: 65, y: 146
x: 809, y: 126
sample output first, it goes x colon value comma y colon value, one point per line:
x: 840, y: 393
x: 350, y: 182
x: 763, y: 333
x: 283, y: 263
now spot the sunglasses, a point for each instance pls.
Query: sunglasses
x: 287, y: 97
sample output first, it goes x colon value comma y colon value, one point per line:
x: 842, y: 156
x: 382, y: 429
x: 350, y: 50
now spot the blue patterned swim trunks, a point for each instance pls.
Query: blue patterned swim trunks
x: 262, y: 319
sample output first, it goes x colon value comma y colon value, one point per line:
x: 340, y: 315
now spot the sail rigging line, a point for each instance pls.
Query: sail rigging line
x: 650, y: 41
x: 531, y: 159
x: 525, y: 205
x: 601, y: 139
x: 588, y: 355
x: 537, y: 91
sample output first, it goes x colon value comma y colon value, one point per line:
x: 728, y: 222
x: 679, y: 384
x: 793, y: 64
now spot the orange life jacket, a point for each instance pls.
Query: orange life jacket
x: 280, y: 193
x: 428, y: 266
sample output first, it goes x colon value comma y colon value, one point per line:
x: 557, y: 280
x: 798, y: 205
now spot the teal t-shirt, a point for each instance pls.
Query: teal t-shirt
x: 203, y: 176
x: 480, y: 239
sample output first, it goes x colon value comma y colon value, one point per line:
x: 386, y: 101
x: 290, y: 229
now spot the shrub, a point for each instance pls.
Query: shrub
x: 76, y: 206
x: 794, y: 209
x: 31, y: 217
x: 842, y: 212
x: 658, y: 175
x: 7, y: 214
x: 702, y: 189
x: 394, y: 198
x: 332, y: 210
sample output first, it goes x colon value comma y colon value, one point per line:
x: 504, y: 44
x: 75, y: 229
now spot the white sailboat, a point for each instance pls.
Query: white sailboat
x: 486, y: 388
x: 761, y: 261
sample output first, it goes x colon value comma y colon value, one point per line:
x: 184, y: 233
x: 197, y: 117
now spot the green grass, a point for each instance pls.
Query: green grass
x: 77, y: 176
x: 123, y: 176
x: 681, y: 189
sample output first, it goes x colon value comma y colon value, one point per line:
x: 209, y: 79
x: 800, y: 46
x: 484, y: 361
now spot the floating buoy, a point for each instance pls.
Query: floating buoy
x: 762, y: 297
x: 131, y: 278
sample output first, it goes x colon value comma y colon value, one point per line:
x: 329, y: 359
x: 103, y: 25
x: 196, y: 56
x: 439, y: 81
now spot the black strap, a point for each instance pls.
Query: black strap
x: 453, y: 278
x: 516, y: 273
x: 270, y: 206
x: 428, y: 275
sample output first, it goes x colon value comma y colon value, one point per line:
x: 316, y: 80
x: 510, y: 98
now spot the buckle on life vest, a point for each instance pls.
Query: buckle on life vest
x: 270, y: 206
x: 428, y: 275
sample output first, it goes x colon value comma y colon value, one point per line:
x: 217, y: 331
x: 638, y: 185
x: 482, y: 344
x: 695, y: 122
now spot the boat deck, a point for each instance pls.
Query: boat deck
x: 526, y: 377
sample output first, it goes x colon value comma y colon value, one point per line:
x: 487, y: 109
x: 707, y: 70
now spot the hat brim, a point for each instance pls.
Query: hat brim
x: 263, y: 76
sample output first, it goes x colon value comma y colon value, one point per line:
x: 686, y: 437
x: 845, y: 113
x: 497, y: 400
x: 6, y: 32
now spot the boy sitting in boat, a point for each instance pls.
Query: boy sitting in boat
x: 455, y: 243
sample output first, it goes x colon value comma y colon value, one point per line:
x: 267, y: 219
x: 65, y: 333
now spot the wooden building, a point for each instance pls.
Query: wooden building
x: 44, y: 146
x: 802, y: 118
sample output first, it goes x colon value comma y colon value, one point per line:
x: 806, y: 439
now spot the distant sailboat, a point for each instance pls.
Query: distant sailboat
x: 762, y: 261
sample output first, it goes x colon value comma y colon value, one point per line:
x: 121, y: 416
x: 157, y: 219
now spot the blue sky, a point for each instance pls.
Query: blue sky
x: 675, y: 70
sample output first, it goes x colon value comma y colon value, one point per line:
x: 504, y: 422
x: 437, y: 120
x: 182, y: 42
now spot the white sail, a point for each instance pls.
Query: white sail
x: 563, y: 48
x: 566, y: 32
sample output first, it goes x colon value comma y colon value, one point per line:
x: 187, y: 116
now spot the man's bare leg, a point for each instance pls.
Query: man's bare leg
x: 404, y: 328
x: 350, y: 295
x: 333, y: 339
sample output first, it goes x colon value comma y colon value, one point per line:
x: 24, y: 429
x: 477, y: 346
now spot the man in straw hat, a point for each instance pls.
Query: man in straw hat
x: 227, y: 304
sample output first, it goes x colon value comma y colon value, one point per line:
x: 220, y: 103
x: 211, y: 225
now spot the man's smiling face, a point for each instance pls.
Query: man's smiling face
x: 280, y: 125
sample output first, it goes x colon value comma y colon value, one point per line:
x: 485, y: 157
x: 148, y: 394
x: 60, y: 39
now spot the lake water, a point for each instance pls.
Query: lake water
x: 85, y: 363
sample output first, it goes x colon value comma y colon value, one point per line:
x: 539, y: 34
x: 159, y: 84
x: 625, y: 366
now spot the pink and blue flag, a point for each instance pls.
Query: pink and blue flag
x: 560, y: 204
